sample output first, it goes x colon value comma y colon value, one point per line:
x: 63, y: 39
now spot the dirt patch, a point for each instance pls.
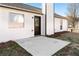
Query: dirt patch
x: 57, y: 34
x: 70, y: 50
x: 11, y: 48
x: 73, y: 48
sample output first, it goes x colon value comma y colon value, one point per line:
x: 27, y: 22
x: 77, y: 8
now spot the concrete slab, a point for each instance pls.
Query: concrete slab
x: 42, y: 46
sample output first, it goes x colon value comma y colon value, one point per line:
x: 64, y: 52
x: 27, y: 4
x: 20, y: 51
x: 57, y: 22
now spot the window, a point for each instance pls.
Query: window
x: 16, y: 20
x: 61, y: 27
x: 61, y: 24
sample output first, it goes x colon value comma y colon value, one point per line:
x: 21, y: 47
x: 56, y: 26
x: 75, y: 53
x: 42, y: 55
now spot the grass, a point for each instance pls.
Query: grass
x: 73, y: 48
x: 11, y: 48
x: 68, y: 51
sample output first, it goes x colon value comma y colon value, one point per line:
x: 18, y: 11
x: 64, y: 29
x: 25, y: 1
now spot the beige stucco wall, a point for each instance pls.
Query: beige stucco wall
x: 17, y: 33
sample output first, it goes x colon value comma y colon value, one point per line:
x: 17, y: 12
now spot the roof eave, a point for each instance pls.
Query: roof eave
x: 11, y: 7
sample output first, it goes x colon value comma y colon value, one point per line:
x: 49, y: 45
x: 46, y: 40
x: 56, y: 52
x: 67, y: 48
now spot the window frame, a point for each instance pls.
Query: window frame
x: 9, y: 26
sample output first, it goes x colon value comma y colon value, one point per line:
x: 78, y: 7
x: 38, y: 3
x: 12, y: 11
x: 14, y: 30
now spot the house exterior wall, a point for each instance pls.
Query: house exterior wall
x: 65, y: 25
x: 76, y: 30
x: 43, y: 19
x: 58, y: 23
x: 43, y: 25
x: 16, y: 33
x: 48, y: 15
x: 50, y: 20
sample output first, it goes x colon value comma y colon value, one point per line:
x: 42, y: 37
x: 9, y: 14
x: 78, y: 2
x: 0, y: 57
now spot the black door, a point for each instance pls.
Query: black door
x: 37, y: 25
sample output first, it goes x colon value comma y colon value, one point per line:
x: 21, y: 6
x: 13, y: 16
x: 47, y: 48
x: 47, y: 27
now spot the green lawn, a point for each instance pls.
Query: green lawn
x: 11, y: 48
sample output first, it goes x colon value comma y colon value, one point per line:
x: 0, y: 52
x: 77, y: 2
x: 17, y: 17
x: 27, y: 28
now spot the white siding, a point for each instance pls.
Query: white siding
x: 49, y: 20
x: 65, y: 25
x: 43, y: 20
x: 58, y: 23
x: 17, y: 33
x: 76, y: 27
x: 43, y: 25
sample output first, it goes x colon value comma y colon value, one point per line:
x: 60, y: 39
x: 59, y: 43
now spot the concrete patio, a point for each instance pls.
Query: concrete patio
x: 42, y: 46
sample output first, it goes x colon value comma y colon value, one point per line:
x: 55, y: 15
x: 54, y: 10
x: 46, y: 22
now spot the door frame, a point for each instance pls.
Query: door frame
x: 39, y: 25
